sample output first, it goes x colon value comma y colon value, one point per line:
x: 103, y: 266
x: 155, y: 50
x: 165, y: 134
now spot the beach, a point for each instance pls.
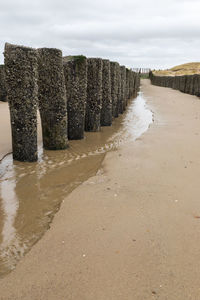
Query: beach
x: 132, y: 230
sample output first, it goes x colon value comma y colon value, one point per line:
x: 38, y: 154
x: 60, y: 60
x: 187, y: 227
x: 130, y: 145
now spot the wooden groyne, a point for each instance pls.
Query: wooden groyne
x: 73, y: 94
x: 189, y: 84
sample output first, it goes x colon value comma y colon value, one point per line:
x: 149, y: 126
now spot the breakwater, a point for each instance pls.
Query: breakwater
x: 189, y: 84
x: 73, y: 94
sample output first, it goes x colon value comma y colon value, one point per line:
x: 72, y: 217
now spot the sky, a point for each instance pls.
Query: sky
x: 146, y: 33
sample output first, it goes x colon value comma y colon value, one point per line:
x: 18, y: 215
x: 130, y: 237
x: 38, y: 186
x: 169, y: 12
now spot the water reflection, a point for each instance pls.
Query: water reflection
x: 31, y: 193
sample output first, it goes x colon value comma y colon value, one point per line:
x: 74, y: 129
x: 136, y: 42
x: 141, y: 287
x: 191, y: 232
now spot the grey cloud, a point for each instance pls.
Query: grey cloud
x: 135, y: 33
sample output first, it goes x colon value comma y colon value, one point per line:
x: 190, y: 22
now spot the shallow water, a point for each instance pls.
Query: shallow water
x: 31, y: 193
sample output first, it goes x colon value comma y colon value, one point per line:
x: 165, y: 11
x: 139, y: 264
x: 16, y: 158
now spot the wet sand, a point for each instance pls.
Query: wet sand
x: 31, y: 193
x: 131, y: 231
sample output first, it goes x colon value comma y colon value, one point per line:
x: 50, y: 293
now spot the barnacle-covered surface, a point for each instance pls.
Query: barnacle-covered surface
x: 189, y: 84
x: 75, y: 72
x: 94, y: 94
x: 3, y: 92
x: 52, y: 99
x: 106, y: 110
x: 21, y: 86
x: 114, y: 87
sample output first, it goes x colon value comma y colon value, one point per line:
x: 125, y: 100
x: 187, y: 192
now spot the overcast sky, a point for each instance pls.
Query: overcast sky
x: 145, y: 33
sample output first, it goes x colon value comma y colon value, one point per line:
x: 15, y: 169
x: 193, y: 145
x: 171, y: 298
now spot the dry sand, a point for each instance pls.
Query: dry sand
x: 132, y: 231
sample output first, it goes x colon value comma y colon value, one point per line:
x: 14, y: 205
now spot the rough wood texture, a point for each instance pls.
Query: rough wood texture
x: 3, y: 93
x: 123, y: 89
x: 114, y: 88
x: 52, y: 99
x: 106, y: 110
x: 75, y: 71
x: 189, y: 84
x: 21, y: 86
x: 94, y: 94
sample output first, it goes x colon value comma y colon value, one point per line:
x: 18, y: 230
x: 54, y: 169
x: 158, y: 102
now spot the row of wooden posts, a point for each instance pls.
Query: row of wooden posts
x: 189, y: 84
x: 73, y: 94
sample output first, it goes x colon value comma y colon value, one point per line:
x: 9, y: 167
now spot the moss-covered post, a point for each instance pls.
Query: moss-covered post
x: 106, y: 110
x: 75, y: 71
x: 94, y: 94
x: 123, y: 89
x: 3, y: 94
x: 52, y: 99
x: 21, y: 86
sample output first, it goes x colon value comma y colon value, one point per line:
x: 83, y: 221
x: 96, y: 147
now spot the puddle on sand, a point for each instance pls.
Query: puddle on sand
x: 31, y: 193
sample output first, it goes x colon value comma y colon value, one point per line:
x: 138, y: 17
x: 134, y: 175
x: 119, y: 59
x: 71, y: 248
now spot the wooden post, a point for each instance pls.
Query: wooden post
x: 3, y: 93
x: 21, y: 85
x: 123, y: 89
x: 75, y: 71
x: 94, y: 95
x: 52, y: 99
x: 114, y: 88
x: 106, y: 110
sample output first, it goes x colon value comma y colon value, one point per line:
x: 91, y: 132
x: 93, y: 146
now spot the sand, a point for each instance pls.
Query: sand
x: 5, y: 131
x: 131, y: 231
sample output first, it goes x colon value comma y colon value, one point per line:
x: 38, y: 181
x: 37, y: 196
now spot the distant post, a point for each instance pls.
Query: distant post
x: 21, y: 86
x: 127, y: 85
x: 118, y: 91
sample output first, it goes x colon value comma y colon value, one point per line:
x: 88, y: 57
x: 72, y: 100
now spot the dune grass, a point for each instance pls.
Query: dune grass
x: 185, y: 69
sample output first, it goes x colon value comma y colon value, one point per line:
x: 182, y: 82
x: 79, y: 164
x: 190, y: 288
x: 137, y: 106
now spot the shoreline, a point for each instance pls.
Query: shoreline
x: 24, y: 187
x: 131, y: 231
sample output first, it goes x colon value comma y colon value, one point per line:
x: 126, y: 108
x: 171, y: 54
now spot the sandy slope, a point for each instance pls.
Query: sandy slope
x: 131, y: 232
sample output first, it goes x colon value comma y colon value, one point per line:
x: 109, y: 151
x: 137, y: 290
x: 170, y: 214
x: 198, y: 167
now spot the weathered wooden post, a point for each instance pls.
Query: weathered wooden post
x: 127, y: 85
x: 106, y: 110
x: 52, y: 99
x: 114, y: 88
x: 94, y: 95
x: 118, y: 91
x: 3, y: 94
x: 131, y: 84
x: 197, y: 85
x: 75, y: 71
x: 136, y: 83
x: 187, y: 84
x: 123, y: 89
x: 21, y: 86
x: 183, y: 83
x: 191, y: 89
